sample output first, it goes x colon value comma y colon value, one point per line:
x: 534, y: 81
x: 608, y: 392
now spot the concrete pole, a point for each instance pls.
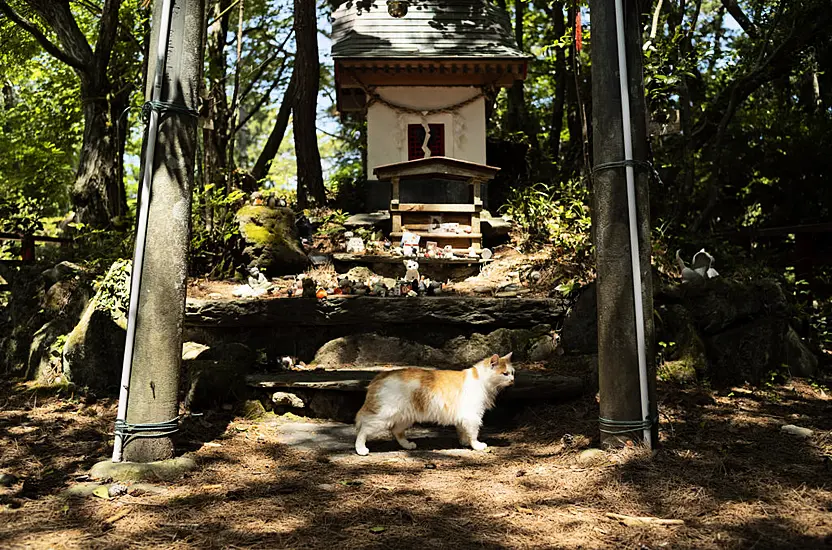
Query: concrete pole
x: 154, y: 381
x: 618, y: 370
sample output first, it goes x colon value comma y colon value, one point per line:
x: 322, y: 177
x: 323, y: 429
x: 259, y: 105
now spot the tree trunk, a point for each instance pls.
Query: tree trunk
x: 311, y: 190
x: 516, y: 117
x: 561, y: 77
x: 98, y: 193
x: 264, y: 161
x: 215, y: 134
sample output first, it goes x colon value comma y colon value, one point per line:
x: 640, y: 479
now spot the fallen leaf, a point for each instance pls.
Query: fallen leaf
x: 211, y: 444
x: 212, y: 487
x: 525, y: 510
x: 102, y: 492
x: 378, y: 529
x: 351, y: 482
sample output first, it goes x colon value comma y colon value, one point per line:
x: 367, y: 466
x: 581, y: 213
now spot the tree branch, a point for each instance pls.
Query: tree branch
x: 45, y: 43
x: 107, y: 32
x: 58, y: 16
x: 742, y: 20
x: 261, y: 101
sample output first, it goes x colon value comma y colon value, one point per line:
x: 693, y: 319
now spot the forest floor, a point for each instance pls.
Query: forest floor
x: 724, y: 469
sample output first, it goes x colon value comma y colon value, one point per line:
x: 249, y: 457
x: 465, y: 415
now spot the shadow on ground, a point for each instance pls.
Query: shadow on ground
x: 724, y: 468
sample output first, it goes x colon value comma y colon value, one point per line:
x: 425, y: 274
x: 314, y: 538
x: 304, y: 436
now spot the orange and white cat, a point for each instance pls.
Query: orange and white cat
x: 399, y: 398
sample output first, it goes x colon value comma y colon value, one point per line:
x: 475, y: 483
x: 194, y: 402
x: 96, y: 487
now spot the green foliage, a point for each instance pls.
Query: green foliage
x: 550, y: 214
x: 20, y: 214
x: 331, y: 221
x: 215, y: 235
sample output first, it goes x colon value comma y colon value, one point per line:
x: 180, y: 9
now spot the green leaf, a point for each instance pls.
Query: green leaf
x: 102, y: 492
x: 378, y: 529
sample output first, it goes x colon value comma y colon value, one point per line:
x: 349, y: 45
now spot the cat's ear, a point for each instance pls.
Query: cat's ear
x: 507, y: 358
x: 495, y: 360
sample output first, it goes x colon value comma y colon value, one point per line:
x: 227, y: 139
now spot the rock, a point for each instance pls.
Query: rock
x: 722, y: 303
x: 359, y: 274
x: 748, y: 352
x: 580, y: 327
x: 492, y: 228
x: 272, y: 243
x: 94, y: 350
x: 116, y: 490
x: 61, y: 271
x: 543, y: 349
x: 252, y: 409
x: 163, y: 470
x: 378, y: 220
x: 192, y: 350
x: 45, y: 361
x: 452, y: 310
x: 800, y: 360
x: 791, y: 429
x: 592, y: 457
x: 684, y: 353
x: 209, y: 383
x: 286, y: 399
x: 7, y: 480
x: 371, y: 349
x: 467, y: 351
x: 65, y: 302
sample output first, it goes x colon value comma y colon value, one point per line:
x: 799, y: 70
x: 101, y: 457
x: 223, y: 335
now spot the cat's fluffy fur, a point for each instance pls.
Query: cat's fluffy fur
x: 397, y: 399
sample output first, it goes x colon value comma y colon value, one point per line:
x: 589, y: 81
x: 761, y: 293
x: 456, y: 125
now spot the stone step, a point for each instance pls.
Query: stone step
x: 528, y: 385
x: 475, y: 312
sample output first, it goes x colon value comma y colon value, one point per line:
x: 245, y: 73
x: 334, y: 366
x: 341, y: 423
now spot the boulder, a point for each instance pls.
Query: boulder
x: 465, y: 352
x: 271, y: 241
x: 215, y: 375
x: 579, y: 334
x: 210, y: 383
x: 45, y: 362
x: 371, y: 349
x: 801, y: 361
x: 94, y: 349
x: 750, y: 352
x: 65, y: 301
x: 684, y: 353
x: 722, y: 303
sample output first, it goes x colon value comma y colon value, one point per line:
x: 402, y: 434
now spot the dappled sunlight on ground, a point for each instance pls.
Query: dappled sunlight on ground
x: 724, y: 468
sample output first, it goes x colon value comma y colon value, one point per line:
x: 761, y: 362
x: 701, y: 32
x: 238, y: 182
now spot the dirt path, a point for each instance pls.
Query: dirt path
x: 724, y: 468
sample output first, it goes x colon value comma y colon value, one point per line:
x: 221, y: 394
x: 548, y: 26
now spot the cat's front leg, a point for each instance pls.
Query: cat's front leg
x: 468, y: 433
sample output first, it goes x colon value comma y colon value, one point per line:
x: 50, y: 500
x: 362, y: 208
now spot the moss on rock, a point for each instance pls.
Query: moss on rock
x: 271, y: 241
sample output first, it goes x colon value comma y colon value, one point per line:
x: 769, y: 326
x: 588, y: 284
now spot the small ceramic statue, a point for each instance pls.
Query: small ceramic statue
x: 355, y: 245
x: 448, y: 252
x: 412, y: 273
x: 701, y: 267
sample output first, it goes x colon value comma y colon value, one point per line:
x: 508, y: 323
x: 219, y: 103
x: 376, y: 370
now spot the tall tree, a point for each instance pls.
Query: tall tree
x: 98, y: 193
x: 264, y: 160
x: 311, y: 190
x: 517, y: 116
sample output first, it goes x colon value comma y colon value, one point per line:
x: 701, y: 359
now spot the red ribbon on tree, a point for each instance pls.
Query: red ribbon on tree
x: 579, y: 38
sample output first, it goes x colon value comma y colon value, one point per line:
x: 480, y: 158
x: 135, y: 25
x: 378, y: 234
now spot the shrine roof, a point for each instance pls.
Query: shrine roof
x: 463, y: 29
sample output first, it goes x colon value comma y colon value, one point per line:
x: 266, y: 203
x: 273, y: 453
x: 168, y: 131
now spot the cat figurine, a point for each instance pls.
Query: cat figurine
x: 397, y: 399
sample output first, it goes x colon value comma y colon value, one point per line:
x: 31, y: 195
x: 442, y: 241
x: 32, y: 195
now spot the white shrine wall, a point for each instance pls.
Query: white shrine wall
x: 387, y: 128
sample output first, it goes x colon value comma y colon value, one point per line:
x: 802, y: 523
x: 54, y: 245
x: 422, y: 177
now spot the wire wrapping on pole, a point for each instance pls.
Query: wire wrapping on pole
x: 620, y: 427
x: 147, y: 430
x: 166, y: 107
x: 625, y: 163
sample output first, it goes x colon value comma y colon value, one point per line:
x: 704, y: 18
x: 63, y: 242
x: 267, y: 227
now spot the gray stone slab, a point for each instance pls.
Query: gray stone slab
x: 337, y: 440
